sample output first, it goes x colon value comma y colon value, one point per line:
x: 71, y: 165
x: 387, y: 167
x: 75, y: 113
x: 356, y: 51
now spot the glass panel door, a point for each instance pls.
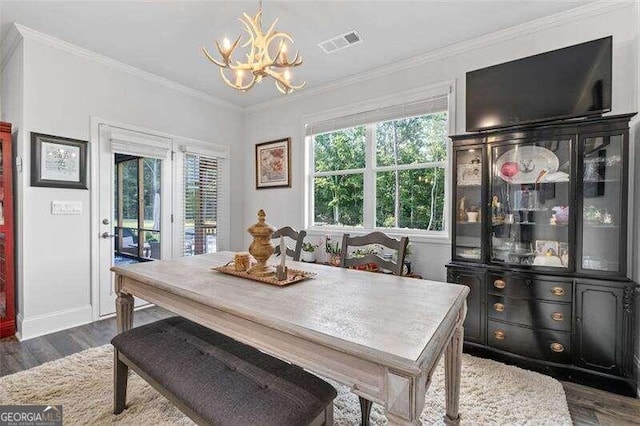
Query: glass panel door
x: 468, y: 207
x: 137, y: 209
x: 602, y: 205
x: 529, y: 198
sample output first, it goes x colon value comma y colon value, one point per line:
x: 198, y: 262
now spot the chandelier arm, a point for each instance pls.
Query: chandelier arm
x: 270, y: 30
x: 279, y: 78
x: 297, y: 61
x: 212, y: 59
x: 235, y: 86
x: 278, y: 34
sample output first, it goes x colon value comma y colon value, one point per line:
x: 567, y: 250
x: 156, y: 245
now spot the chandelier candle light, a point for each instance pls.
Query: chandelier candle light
x: 267, y: 56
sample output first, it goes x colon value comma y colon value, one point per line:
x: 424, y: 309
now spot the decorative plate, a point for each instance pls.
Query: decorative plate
x: 527, y: 164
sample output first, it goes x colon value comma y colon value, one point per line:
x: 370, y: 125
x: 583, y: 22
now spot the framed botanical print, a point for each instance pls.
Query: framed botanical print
x: 58, y: 162
x: 273, y: 164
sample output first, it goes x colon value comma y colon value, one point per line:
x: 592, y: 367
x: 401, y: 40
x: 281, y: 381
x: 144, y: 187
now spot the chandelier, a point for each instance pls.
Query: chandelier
x: 267, y: 56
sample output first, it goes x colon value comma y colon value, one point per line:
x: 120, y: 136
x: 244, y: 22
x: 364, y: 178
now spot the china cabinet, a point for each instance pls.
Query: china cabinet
x: 540, y: 237
x: 7, y: 305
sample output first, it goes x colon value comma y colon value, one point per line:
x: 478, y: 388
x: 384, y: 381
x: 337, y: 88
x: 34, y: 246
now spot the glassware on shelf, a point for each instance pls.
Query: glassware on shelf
x: 529, y: 195
x: 468, y: 193
x: 602, y: 203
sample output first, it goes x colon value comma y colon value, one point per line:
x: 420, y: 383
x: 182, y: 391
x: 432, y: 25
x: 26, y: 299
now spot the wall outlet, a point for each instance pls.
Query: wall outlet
x: 66, y: 207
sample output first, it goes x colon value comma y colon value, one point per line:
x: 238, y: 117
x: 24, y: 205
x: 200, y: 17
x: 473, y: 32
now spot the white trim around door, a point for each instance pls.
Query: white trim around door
x: 148, y: 141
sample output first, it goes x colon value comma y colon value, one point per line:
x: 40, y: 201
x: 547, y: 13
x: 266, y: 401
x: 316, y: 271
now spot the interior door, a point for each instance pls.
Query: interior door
x: 135, y: 193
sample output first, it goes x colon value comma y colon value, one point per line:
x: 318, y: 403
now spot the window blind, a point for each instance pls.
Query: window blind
x: 138, y: 144
x: 200, y: 204
x: 427, y: 106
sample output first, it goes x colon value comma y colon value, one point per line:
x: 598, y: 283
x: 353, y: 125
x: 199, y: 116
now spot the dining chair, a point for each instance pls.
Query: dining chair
x: 296, y: 236
x: 400, y: 246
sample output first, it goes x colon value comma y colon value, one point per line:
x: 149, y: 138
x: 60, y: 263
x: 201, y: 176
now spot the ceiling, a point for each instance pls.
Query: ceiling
x: 164, y: 37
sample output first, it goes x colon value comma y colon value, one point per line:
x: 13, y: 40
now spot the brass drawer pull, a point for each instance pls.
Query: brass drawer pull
x: 557, y: 316
x: 499, y: 284
x: 499, y: 307
x: 499, y: 334
x: 558, y: 291
x: 557, y: 347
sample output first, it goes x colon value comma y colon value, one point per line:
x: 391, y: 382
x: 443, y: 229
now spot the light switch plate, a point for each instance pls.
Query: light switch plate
x: 66, y: 207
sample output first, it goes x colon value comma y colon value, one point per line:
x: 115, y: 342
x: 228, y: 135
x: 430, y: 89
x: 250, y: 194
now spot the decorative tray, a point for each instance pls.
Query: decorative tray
x: 293, y: 275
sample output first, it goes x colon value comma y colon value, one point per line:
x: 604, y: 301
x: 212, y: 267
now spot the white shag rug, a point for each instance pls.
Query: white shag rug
x: 491, y: 393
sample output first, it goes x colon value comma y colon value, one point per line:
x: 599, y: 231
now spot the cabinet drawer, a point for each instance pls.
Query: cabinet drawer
x: 548, y: 345
x: 528, y: 288
x: 534, y: 313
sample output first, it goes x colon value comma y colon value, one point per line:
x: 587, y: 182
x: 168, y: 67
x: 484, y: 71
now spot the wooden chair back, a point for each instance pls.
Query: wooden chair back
x: 400, y: 246
x: 296, y: 236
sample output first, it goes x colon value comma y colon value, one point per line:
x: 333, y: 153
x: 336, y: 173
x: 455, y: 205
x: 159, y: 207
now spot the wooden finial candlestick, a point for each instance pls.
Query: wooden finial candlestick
x: 261, y: 248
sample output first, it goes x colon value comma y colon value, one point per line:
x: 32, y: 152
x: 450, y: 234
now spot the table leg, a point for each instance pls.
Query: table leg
x: 124, y: 308
x: 365, y: 411
x: 452, y: 372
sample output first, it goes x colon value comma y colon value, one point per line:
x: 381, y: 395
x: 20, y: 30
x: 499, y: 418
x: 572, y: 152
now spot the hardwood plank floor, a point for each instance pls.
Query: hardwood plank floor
x: 588, y: 406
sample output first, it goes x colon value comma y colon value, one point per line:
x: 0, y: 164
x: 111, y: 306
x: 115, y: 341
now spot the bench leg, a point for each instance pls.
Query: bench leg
x: 120, y: 376
x: 328, y: 415
x: 365, y: 411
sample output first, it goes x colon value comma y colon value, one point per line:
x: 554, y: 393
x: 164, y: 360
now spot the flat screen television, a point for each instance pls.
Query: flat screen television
x: 566, y: 83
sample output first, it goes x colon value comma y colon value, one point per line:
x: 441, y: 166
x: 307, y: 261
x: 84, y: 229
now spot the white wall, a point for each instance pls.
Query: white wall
x: 62, y: 90
x: 276, y: 120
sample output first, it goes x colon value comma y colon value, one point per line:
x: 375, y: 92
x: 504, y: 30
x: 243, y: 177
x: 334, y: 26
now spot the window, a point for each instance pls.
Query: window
x: 200, y: 204
x: 389, y: 174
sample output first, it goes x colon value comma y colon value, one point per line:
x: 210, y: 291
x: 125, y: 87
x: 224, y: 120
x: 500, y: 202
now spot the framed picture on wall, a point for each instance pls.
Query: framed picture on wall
x: 273, y: 164
x: 58, y: 162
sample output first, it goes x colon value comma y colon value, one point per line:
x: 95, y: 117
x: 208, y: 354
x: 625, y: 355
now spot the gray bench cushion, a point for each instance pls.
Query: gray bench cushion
x: 221, y: 379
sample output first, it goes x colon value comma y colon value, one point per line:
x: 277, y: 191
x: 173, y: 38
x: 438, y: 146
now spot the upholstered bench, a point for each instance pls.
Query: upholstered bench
x: 214, y: 379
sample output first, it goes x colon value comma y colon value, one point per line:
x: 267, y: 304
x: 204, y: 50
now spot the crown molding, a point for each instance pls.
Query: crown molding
x: 9, y: 46
x: 31, y: 34
x: 591, y: 9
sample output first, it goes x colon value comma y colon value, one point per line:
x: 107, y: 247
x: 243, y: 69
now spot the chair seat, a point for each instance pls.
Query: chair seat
x: 222, y: 380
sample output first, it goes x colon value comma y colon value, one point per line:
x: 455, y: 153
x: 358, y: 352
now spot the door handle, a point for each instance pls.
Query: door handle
x: 106, y: 235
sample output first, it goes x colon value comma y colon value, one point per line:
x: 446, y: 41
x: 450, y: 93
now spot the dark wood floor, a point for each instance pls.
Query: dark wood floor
x: 587, y: 406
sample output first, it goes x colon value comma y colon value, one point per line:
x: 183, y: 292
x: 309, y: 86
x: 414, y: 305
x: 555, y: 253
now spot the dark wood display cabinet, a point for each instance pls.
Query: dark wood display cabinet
x: 540, y: 236
x: 7, y: 287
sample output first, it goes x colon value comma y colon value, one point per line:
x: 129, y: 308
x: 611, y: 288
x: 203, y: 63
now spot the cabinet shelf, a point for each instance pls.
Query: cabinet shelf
x: 564, y: 225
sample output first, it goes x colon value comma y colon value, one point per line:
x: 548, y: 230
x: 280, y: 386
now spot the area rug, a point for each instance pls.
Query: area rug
x: 491, y: 393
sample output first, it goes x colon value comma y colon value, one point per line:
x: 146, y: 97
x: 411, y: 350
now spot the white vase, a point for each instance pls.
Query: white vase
x: 308, y: 256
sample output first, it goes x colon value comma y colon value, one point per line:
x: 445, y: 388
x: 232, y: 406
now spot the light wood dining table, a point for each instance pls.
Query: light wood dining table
x: 379, y: 334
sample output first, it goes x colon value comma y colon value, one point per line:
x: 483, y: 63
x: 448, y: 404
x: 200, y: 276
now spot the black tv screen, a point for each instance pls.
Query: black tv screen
x: 565, y: 83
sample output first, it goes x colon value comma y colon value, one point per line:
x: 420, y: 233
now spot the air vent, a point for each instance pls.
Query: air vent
x: 340, y: 42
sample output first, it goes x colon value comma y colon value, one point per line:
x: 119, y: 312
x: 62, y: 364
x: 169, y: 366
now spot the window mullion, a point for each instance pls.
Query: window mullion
x: 310, y: 196
x: 369, y: 203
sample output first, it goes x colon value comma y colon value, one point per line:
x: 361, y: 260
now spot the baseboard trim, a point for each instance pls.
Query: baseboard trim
x: 40, y: 325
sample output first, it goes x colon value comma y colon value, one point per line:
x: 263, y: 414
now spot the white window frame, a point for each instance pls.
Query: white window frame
x: 371, y: 167
x: 221, y: 153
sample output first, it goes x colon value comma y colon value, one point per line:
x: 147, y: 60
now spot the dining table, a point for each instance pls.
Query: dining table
x: 379, y: 334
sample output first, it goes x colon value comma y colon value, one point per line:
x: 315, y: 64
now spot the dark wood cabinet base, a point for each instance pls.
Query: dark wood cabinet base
x: 569, y: 373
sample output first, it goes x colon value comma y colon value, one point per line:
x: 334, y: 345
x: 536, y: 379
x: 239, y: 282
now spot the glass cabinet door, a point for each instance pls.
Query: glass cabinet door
x: 602, y: 203
x: 468, y: 207
x: 529, y: 203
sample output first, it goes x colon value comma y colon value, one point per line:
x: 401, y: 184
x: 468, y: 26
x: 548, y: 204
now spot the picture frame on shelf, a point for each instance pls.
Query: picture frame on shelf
x: 543, y: 247
x: 273, y: 164
x: 58, y: 162
x: 469, y: 174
